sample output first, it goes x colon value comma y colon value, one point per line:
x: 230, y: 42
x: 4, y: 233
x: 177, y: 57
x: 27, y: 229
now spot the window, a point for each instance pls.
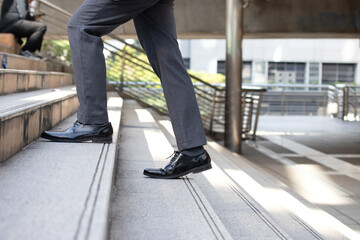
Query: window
x: 333, y: 73
x: 314, y: 73
x: 187, y: 62
x: 259, y: 72
x: 246, y: 70
x: 286, y: 72
x: 221, y: 66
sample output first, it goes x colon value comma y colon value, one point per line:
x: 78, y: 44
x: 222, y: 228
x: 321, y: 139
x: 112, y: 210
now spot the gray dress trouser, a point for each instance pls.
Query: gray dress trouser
x: 155, y: 27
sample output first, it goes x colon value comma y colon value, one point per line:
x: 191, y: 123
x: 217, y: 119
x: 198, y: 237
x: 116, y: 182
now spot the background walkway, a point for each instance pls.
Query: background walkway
x: 316, y: 157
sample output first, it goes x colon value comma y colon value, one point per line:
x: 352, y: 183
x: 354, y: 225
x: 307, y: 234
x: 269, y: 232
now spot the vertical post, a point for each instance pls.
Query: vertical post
x: 212, y: 113
x: 123, y: 58
x: 326, y: 101
x: 345, y: 102
x: 233, y: 112
x: 258, y: 108
x: 282, y: 102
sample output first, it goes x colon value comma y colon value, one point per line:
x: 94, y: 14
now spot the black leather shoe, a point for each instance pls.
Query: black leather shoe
x: 82, y: 133
x: 180, y: 165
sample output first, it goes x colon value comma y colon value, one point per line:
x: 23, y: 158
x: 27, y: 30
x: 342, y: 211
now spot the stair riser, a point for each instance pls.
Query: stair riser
x: 8, y: 49
x: 22, y: 128
x: 16, y: 62
x: 8, y: 43
x: 57, y: 67
x: 21, y: 82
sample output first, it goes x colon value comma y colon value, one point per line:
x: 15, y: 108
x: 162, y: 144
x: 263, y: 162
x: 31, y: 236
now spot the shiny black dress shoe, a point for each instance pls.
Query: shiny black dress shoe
x: 82, y: 133
x: 180, y: 165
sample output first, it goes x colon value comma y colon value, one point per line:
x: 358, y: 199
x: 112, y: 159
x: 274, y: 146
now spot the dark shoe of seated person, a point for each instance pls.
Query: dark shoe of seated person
x: 180, y: 165
x: 29, y: 54
x: 80, y: 132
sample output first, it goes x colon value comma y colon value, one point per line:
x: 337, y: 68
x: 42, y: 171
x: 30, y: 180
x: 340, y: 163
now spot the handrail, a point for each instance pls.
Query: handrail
x: 113, y: 46
x: 142, y: 51
x: 113, y: 36
x: 55, y: 7
x: 150, y: 70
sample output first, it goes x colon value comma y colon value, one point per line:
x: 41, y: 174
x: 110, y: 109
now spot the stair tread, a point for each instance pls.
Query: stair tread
x: 59, y: 190
x: 144, y: 207
x: 15, y: 61
x: 241, y: 214
x: 16, y: 102
x: 281, y: 207
x: 20, y: 57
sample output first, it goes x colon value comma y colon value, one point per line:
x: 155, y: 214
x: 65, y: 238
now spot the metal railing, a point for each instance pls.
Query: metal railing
x: 300, y: 99
x: 131, y: 73
x: 349, y: 102
x: 129, y: 69
x: 139, y: 81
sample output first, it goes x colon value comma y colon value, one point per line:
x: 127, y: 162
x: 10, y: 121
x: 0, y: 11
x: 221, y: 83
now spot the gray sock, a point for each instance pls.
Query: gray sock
x: 192, y: 152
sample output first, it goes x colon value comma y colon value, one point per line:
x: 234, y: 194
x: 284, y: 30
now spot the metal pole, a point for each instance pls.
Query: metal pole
x: 212, y: 113
x: 258, y: 108
x: 123, y: 58
x: 234, y: 36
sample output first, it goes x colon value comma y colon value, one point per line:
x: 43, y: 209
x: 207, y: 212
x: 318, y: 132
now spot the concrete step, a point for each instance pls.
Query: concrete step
x: 8, y: 43
x: 55, y: 65
x: 12, y: 81
x: 145, y: 208
x: 287, y: 214
x: 7, y: 49
x: 15, y: 61
x: 59, y: 190
x: 23, y: 116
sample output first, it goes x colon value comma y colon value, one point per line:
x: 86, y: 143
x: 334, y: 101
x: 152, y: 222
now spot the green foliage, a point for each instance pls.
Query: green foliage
x: 136, y: 67
x: 211, y: 78
x: 59, y: 49
x: 135, y: 61
x: 136, y: 77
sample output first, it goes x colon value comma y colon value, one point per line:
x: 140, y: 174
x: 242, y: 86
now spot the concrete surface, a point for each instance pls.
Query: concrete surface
x: 146, y: 208
x: 15, y: 61
x: 13, y: 81
x: 8, y: 43
x: 302, y: 201
x: 317, y: 158
x: 262, y: 19
x: 59, y: 190
x: 23, y: 116
x: 281, y: 187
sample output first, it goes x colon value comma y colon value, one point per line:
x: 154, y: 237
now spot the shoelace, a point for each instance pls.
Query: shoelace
x: 174, y: 156
x: 76, y: 123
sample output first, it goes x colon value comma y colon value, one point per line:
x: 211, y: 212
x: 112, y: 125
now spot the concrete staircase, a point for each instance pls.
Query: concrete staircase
x: 50, y: 190
x: 234, y: 200
x: 97, y: 191
x: 32, y: 100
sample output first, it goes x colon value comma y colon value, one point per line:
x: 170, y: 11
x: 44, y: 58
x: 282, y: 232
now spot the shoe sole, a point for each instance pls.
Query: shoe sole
x: 194, y: 171
x: 81, y: 140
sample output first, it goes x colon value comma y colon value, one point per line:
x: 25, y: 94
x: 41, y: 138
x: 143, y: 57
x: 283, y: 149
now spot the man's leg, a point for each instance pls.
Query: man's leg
x: 32, y: 30
x: 157, y: 33
x: 94, y: 19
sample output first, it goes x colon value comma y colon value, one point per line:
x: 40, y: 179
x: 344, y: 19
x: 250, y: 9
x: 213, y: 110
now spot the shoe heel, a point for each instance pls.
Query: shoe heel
x: 102, y: 140
x: 202, y: 168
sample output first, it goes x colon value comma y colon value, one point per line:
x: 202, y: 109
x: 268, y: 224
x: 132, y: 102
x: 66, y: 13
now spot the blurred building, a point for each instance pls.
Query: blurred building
x: 301, y: 61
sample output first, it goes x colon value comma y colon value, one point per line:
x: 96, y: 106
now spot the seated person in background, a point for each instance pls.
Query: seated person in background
x: 16, y: 19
